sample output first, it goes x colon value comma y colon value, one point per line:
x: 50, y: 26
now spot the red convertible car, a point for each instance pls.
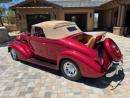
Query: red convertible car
x: 61, y: 45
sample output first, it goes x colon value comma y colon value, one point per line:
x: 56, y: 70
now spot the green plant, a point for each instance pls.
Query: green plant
x: 2, y: 10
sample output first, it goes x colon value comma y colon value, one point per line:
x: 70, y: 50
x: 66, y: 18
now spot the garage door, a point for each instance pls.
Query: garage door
x: 80, y: 19
x: 36, y: 18
x: 127, y: 20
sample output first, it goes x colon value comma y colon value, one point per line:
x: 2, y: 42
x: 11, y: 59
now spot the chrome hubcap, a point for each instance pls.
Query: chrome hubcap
x: 70, y: 69
x: 13, y: 54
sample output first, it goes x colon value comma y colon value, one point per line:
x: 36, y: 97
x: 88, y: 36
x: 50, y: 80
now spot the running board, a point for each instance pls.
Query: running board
x: 42, y: 63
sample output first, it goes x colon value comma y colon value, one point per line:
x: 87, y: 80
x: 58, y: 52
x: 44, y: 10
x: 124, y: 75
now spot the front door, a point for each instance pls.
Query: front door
x: 38, y: 42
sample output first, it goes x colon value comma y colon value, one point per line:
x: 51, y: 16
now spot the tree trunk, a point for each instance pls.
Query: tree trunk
x: 1, y: 22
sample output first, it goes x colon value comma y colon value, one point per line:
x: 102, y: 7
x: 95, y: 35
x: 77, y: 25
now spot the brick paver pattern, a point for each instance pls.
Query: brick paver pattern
x: 21, y: 80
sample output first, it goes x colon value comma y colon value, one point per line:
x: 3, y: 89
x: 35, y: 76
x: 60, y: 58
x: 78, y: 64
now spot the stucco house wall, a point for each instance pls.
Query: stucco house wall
x: 111, y: 14
x: 87, y: 11
x: 59, y: 12
x: 21, y: 14
x: 118, y: 15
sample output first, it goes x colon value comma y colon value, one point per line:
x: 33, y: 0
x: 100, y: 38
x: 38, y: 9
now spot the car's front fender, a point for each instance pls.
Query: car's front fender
x: 87, y: 66
x: 23, y: 50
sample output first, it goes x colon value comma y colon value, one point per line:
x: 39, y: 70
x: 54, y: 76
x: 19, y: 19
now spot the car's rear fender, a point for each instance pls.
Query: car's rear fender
x: 87, y: 66
x: 23, y: 50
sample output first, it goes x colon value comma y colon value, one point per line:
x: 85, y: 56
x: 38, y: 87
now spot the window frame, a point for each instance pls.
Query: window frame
x: 33, y: 31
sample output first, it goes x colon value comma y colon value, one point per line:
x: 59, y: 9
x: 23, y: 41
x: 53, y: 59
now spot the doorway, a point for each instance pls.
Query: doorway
x: 96, y: 20
x: 79, y: 19
x: 127, y: 20
x: 36, y: 18
x: 127, y: 24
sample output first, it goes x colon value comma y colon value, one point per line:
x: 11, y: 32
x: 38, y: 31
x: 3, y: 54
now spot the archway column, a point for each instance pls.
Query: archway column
x: 121, y: 15
x: 119, y: 29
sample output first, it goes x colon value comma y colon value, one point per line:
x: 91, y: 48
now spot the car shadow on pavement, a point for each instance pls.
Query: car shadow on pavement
x: 102, y: 82
x: 42, y: 68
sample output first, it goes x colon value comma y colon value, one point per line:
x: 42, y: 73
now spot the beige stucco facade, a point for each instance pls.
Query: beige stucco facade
x: 111, y: 15
x: 55, y: 13
x: 22, y: 12
x: 87, y: 11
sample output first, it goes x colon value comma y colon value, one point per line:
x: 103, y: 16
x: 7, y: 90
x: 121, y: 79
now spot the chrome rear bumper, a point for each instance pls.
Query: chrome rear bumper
x: 114, y: 68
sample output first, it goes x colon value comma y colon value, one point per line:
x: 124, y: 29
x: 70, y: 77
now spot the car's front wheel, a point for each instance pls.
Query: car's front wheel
x: 14, y: 54
x: 70, y: 70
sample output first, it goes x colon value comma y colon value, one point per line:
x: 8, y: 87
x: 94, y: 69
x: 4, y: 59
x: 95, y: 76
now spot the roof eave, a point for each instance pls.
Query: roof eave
x: 24, y: 2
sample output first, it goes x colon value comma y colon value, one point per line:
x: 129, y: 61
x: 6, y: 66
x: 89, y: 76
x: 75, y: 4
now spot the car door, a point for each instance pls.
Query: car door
x: 38, y: 42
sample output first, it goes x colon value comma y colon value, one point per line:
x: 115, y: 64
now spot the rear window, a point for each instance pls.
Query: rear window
x: 71, y: 29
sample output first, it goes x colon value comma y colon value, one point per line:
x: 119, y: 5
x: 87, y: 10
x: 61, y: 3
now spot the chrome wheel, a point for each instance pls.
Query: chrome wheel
x: 13, y: 54
x: 70, y: 70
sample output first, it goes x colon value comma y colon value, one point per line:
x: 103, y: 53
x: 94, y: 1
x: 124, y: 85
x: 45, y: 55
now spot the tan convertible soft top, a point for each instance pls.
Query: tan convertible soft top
x: 57, y: 29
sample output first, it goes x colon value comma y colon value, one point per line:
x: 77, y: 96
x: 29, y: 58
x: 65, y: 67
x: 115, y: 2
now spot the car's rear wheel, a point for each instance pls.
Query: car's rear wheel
x: 14, y: 54
x: 70, y: 70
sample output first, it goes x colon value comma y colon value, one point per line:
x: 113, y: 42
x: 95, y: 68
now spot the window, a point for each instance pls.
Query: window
x: 71, y: 29
x: 39, y: 32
